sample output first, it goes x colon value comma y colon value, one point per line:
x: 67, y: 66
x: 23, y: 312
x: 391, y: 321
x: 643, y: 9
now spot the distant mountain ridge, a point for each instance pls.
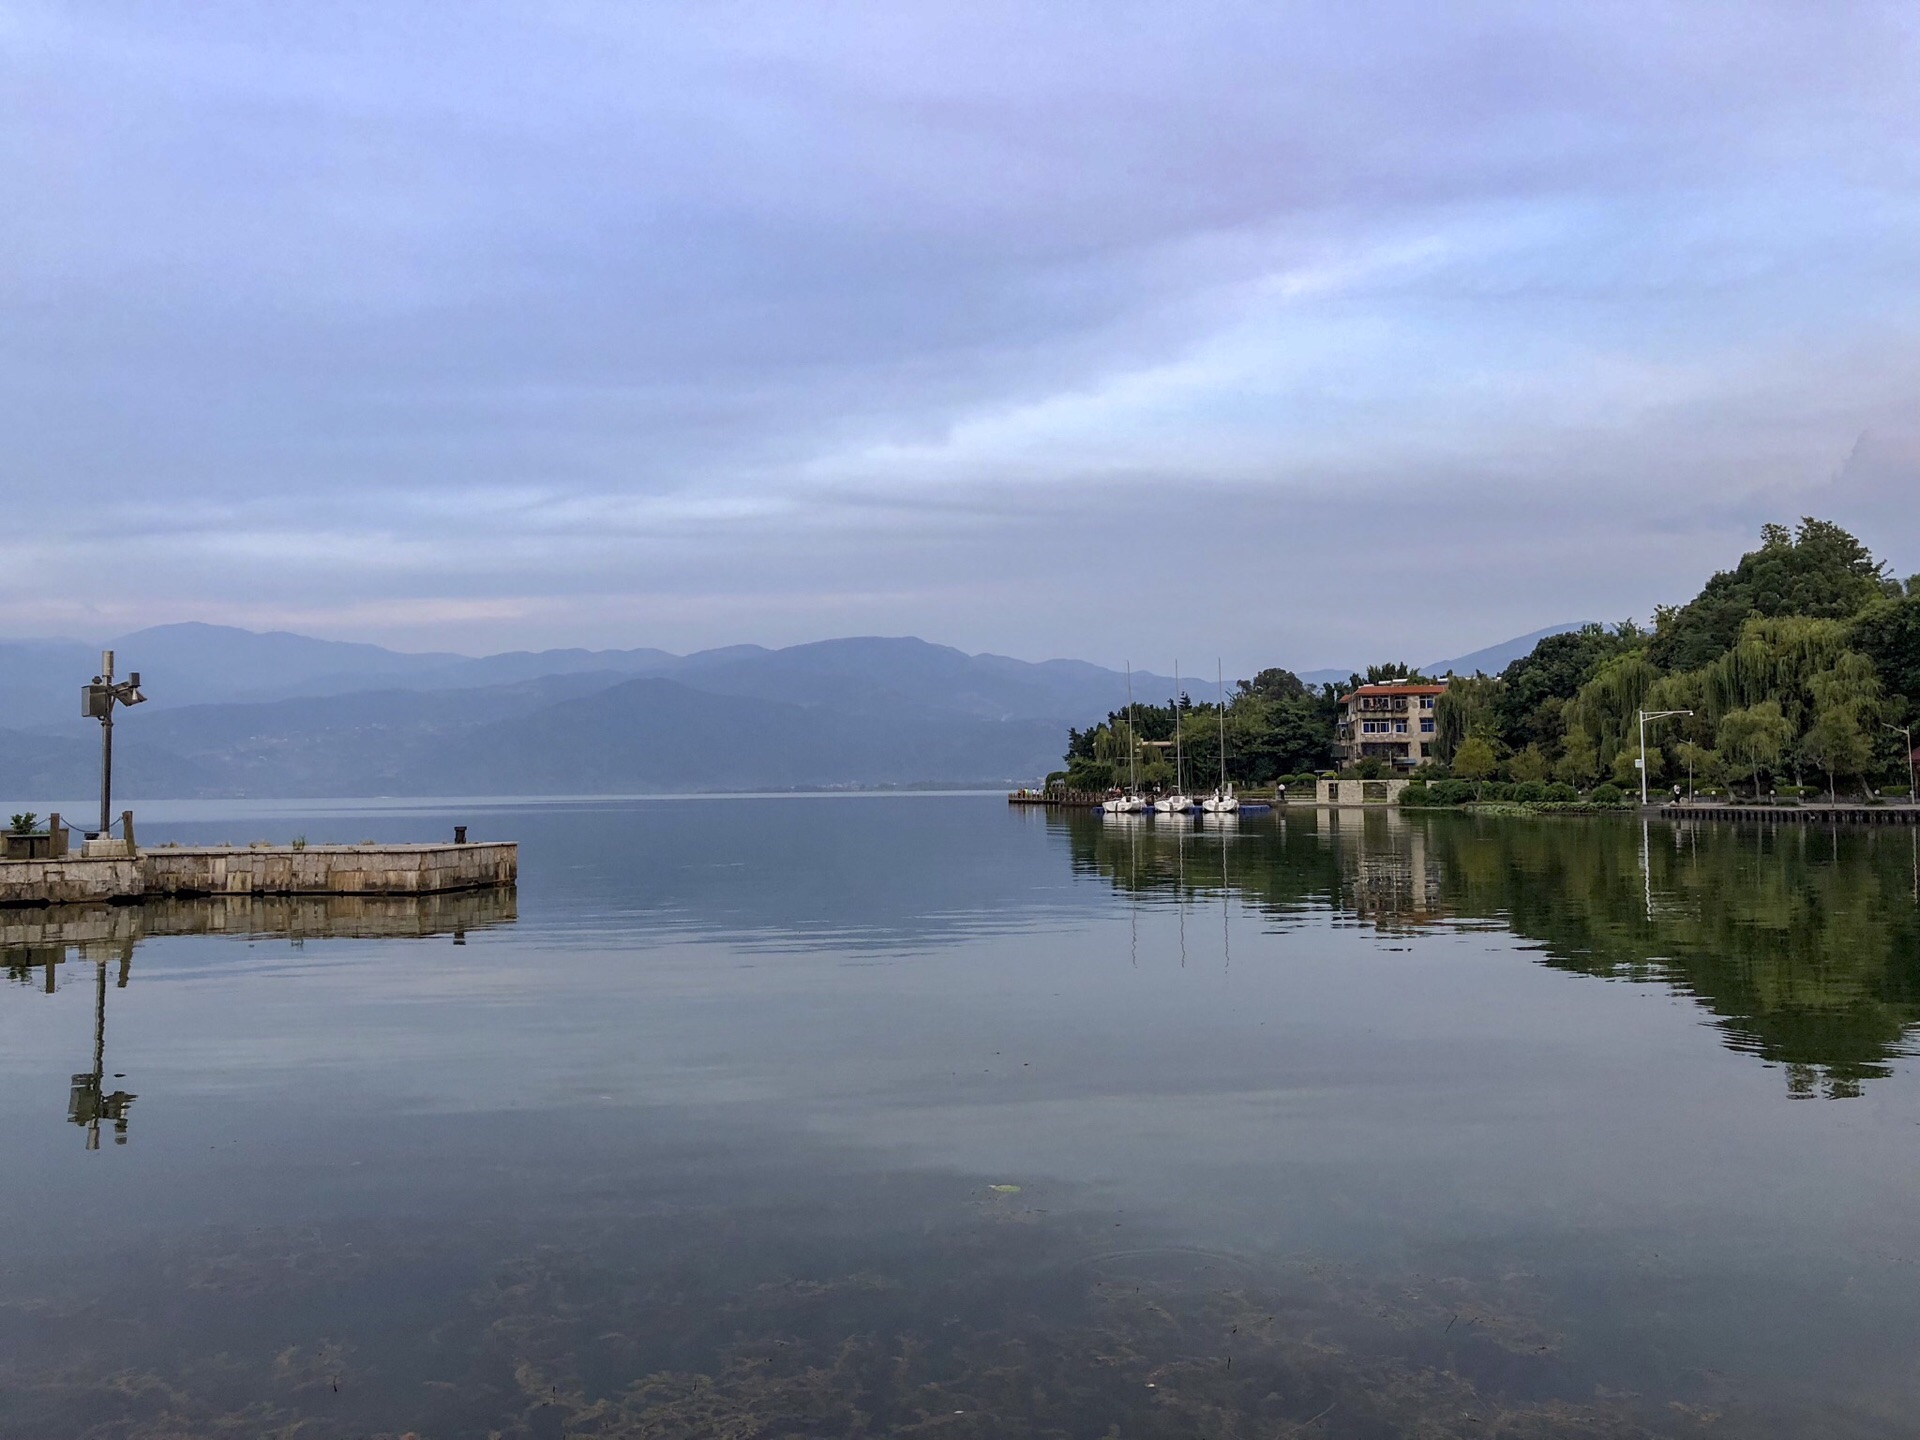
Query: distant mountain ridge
x: 237, y: 713
x: 196, y: 664
x: 1491, y: 660
x: 234, y: 712
x: 1496, y: 658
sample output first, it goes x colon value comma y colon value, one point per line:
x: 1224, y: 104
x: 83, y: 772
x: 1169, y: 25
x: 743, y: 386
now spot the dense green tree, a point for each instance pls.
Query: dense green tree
x: 1275, y: 726
x: 1578, y: 763
x: 1627, y: 775
x: 1888, y: 633
x: 1474, y: 760
x: 1837, y: 745
x: 1818, y: 570
x: 1280, y: 738
x: 1535, y: 689
x: 1528, y: 764
x: 1274, y: 684
x: 1393, y: 672
x: 1700, y: 764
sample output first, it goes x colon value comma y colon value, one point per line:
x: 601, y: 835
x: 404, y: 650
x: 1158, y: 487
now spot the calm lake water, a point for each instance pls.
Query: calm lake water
x: 876, y: 1115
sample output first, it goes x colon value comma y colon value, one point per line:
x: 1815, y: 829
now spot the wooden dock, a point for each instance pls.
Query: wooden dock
x: 1793, y: 814
x: 1059, y: 799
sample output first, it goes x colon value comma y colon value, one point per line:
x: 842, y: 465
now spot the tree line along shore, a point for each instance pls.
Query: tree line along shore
x: 1800, y: 667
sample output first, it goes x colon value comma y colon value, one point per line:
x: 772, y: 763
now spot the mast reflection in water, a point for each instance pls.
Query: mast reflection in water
x: 1802, y: 941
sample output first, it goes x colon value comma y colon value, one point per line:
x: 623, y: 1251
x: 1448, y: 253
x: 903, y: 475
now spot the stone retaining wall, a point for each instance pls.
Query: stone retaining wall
x: 1358, y: 792
x: 327, y: 869
x: 70, y: 880
x: 260, y: 870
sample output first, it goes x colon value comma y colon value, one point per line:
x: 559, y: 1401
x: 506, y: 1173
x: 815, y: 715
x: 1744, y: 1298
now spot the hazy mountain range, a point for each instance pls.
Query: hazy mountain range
x: 232, y: 712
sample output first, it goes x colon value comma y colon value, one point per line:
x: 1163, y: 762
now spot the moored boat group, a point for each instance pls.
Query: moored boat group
x: 1130, y: 800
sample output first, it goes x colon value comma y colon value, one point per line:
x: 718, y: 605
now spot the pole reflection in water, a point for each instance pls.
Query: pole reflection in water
x: 108, y: 935
x: 1133, y: 896
x: 1180, y: 882
x: 1646, y: 864
x: 1224, y: 825
x: 88, y: 1103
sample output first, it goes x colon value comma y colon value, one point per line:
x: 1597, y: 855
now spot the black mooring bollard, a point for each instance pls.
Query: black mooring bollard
x: 459, y: 834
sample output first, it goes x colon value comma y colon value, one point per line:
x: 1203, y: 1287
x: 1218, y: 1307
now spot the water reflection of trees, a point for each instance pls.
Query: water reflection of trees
x: 1804, y: 942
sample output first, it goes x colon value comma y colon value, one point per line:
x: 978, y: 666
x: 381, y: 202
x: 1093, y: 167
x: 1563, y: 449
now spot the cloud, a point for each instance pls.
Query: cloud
x: 1301, y: 333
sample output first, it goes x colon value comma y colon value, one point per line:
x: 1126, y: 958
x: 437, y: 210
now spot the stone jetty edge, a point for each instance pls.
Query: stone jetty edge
x: 182, y: 871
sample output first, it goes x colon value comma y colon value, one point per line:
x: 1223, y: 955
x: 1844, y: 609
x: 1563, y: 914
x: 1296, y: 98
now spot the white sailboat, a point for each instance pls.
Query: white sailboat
x: 1130, y: 802
x: 1179, y: 802
x: 1223, y: 801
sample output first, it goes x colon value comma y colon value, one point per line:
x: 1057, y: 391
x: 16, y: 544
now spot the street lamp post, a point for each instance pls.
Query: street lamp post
x: 96, y: 703
x: 1912, y: 797
x: 1646, y: 715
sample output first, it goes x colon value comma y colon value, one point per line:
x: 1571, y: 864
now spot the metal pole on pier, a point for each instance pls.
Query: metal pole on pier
x: 1913, y: 797
x: 96, y: 703
x: 1646, y: 715
x: 106, y: 753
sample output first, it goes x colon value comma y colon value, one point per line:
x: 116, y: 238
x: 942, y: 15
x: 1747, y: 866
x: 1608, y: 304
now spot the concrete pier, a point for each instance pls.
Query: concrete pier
x: 188, y: 870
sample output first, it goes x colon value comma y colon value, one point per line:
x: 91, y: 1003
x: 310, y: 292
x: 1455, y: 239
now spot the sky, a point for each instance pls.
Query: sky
x: 1294, y: 334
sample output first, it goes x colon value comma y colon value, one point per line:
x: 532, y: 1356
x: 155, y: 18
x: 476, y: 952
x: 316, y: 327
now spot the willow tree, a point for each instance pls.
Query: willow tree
x: 1754, y: 739
x: 1468, y: 707
x: 1846, y: 705
x: 1608, y: 706
x: 1774, y: 659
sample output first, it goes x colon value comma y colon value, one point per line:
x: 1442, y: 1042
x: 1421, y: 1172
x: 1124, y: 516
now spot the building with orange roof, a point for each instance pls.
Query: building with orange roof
x: 1392, y: 723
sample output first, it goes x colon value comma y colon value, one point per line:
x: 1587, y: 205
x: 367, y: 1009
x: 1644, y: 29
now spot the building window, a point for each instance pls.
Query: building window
x: 1426, y: 702
x: 1424, y: 748
x: 1426, y: 727
x: 1399, y: 727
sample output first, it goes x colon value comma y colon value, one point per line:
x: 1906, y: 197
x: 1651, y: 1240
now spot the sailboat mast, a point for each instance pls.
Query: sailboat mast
x: 1220, y: 679
x: 1133, y: 740
x: 1179, y: 775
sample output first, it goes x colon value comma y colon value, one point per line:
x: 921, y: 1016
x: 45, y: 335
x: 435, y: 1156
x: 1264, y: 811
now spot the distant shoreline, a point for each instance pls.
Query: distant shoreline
x: 157, y: 807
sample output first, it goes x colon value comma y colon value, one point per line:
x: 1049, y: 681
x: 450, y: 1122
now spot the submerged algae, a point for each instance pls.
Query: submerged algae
x: 980, y: 1328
